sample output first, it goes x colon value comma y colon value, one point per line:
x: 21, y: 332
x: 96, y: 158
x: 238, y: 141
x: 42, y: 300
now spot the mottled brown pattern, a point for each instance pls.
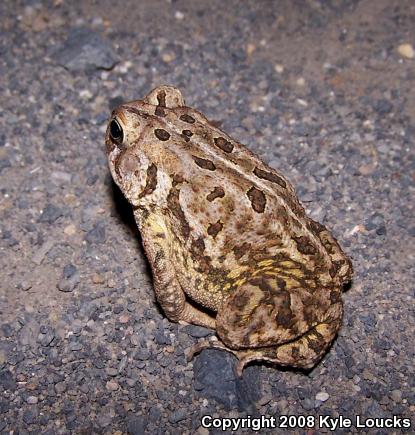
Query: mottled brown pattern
x: 270, y: 176
x: 160, y: 111
x: 186, y: 135
x: 285, y: 317
x: 198, y: 245
x: 161, y: 134
x: 255, y: 268
x: 187, y: 118
x: 175, y: 208
x: 334, y: 269
x: 214, y: 229
x: 335, y: 297
x: 257, y: 198
x: 204, y: 163
x: 217, y: 192
x: 316, y: 342
x: 295, y: 353
x: 240, y: 250
x: 197, y: 253
x: 151, y: 181
x: 304, y: 245
x: 177, y: 179
x: 223, y: 144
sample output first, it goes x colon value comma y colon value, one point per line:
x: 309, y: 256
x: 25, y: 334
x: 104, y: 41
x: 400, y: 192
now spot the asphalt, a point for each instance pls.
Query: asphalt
x: 322, y: 90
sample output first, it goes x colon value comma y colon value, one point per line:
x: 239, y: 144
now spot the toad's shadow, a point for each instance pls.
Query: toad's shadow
x: 124, y: 210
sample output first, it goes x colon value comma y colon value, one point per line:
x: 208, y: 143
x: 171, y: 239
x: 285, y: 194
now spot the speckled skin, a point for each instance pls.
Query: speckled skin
x: 222, y: 229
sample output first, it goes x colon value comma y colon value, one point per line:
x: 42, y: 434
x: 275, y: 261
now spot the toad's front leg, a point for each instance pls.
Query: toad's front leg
x: 169, y: 293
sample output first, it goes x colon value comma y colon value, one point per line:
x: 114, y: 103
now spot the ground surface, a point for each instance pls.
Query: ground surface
x: 317, y: 88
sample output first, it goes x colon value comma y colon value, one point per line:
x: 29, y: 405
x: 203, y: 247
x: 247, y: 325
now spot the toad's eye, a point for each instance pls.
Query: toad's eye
x: 116, y: 133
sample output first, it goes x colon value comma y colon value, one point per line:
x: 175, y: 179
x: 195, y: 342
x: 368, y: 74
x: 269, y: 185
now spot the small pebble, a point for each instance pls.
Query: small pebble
x: 177, y: 416
x: 60, y: 387
x: 124, y: 318
x: 70, y: 230
x: 406, y: 50
x: 250, y: 48
x: 168, y: 57
x: 135, y: 341
x: 279, y: 68
x: 300, y: 81
x: 322, y: 396
x: 31, y: 400
x: 111, y: 371
x: 396, y: 396
x: 98, y: 279
x: 112, y: 386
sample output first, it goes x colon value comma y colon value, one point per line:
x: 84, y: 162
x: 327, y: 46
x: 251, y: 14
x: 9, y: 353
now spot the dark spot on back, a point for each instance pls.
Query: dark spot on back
x: 257, y: 199
x: 177, y: 179
x: 204, y: 163
x: 161, y: 134
x: 186, y: 135
x: 304, y: 245
x: 223, y: 144
x: 240, y: 250
x: 151, y: 181
x: 270, y: 176
x: 187, y: 118
x: 214, y: 229
x: 217, y: 192
x: 198, y: 245
x: 175, y: 208
x: 196, y: 251
x: 285, y: 316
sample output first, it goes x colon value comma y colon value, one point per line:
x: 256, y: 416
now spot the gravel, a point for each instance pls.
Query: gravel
x: 321, y: 90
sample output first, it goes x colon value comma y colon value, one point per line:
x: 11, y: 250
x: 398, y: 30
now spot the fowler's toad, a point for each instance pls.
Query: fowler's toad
x: 228, y: 242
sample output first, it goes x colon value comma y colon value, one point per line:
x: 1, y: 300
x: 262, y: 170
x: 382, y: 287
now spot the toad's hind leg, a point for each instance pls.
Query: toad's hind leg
x: 275, y: 319
x: 303, y: 352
